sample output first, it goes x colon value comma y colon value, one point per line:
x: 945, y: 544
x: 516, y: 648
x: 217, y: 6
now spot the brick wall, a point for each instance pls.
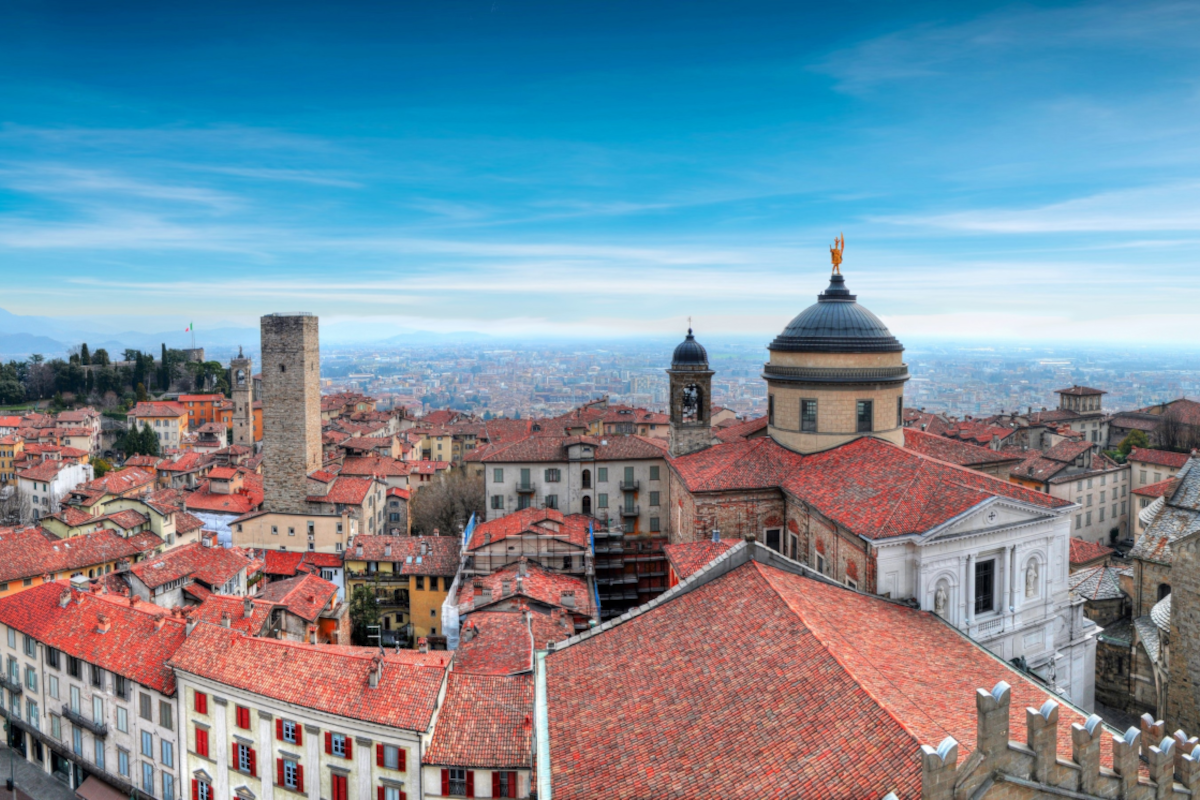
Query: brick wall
x: 291, y: 410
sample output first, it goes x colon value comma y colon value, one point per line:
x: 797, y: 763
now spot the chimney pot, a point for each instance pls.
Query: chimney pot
x: 247, y: 607
x: 158, y: 623
x: 226, y: 619
x: 423, y: 644
x: 64, y: 599
x: 189, y: 626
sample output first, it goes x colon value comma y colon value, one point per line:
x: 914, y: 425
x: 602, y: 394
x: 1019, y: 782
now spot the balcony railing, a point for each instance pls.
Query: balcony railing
x: 8, y: 683
x: 526, y: 488
x: 97, y: 728
x: 630, y: 486
x: 630, y: 511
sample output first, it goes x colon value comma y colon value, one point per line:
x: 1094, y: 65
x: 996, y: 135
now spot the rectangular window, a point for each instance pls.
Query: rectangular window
x: 30, y: 645
x: 245, y: 759
x: 145, y: 707
x: 31, y: 709
x: 774, y: 539
x: 866, y: 416
x: 165, y: 716
x: 771, y: 410
x: 56, y: 727
x: 458, y: 781
x: 31, y: 679
x: 12, y: 637
x: 900, y: 411
x: 168, y: 786
x: 201, y: 742
x: 602, y: 474
x: 602, y: 500
x: 553, y: 476
x: 391, y: 757
x: 420, y: 582
x: 291, y: 774
x: 242, y: 715
x: 98, y: 710
x: 75, y: 699
x: 1101, y: 514
x: 97, y: 677
x: 123, y: 762
x: 98, y: 752
x: 289, y: 731
x: 167, y: 751
x: 654, y: 473
x: 498, y: 502
x: 77, y: 741
x: 551, y: 501
x: 1078, y: 521
x: 148, y: 779
x: 654, y: 496
x: 122, y: 720
x: 497, y: 475
x: 147, y: 744
x: 1088, y: 518
x: 391, y: 793
x: 655, y: 525
x: 74, y: 667
x: 339, y: 744
x: 808, y: 415
x: 985, y: 578
x: 274, y: 530
x: 52, y: 657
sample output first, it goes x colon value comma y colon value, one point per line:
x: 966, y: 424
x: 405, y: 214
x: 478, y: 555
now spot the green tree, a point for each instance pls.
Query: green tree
x: 85, y: 356
x: 100, y: 467
x: 141, y: 392
x: 149, y: 441
x: 364, y: 612
x: 100, y: 358
x: 1132, y: 439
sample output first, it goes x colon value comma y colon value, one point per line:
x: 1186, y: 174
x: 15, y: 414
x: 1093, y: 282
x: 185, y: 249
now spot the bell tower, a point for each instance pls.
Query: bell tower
x: 240, y: 382
x: 691, y: 398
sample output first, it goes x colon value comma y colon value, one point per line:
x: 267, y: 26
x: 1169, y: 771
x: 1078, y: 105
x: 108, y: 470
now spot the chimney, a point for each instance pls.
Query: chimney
x: 103, y: 624
x: 523, y: 566
x: 226, y: 619
x: 468, y: 632
x: 312, y: 634
x: 716, y: 535
x: 358, y: 551
x: 158, y: 622
x: 423, y: 645
x: 567, y: 598
x: 424, y: 547
x: 476, y: 587
x: 64, y: 599
x: 505, y: 588
x: 375, y: 672
x: 436, y: 532
x: 387, y: 549
x: 133, y: 599
x: 247, y: 608
x: 189, y: 626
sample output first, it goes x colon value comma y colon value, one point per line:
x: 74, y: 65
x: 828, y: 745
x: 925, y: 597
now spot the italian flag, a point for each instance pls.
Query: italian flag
x: 189, y: 327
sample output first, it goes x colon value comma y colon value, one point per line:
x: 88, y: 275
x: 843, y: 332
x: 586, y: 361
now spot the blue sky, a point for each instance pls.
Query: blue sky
x: 1000, y: 171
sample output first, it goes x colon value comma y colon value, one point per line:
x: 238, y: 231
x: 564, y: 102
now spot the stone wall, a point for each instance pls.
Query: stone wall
x: 291, y: 410
x: 1183, y: 705
x: 242, y: 388
x: 690, y: 437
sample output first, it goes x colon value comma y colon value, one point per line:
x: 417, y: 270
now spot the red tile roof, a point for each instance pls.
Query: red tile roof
x: 374, y: 465
x: 441, y: 554
x: 1067, y: 451
x: 281, y: 562
x: 741, y: 430
x: 1163, y: 458
x: 131, y: 647
x: 186, y: 462
x: 955, y: 452
x: 1160, y: 489
x: 327, y: 678
x: 119, y: 482
x: 740, y: 465
x: 485, y: 723
x: 715, y: 684
x: 127, y: 519
x: 32, y: 552
x: 346, y: 491
x: 554, y: 448
x: 538, y: 584
x: 573, y: 528
x: 424, y: 467
x: 46, y: 471
x: 502, y: 642
x: 210, y: 565
x: 1084, y: 552
x: 1080, y: 391
x: 251, y: 497
x: 306, y: 596
x: 689, y: 557
x: 158, y: 409
x: 73, y: 517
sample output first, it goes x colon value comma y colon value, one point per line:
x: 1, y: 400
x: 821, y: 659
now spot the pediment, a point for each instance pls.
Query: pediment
x: 994, y: 514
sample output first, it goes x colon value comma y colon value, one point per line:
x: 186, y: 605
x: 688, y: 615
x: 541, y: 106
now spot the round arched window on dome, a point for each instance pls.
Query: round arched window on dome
x: 690, y: 403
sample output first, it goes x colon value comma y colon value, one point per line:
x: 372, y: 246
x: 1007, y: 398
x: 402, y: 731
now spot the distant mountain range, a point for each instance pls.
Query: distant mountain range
x: 23, y: 335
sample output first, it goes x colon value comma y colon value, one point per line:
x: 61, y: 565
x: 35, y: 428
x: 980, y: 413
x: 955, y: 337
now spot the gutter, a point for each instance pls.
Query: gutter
x: 541, y: 729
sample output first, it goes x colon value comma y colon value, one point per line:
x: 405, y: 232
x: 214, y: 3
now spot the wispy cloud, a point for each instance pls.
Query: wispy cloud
x: 82, y: 185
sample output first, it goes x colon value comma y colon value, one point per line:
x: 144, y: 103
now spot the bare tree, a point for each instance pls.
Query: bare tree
x: 15, y: 507
x: 445, y: 504
x: 1173, y: 433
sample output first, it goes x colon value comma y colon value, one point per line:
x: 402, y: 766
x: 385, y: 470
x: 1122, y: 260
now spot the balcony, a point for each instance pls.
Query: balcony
x: 526, y: 488
x: 630, y: 511
x: 97, y: 728
x: 10, y: 684
x: 630, y: 486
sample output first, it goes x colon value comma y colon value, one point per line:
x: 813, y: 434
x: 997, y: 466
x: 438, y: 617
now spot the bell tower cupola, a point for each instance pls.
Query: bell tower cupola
x: 691, y: 397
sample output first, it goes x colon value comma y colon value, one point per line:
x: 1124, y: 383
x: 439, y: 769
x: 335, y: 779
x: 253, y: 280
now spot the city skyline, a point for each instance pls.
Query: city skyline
x: 1002, y: 172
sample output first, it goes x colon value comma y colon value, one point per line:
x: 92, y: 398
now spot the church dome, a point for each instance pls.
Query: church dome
x: 689, y: 353
x: 836, y: 323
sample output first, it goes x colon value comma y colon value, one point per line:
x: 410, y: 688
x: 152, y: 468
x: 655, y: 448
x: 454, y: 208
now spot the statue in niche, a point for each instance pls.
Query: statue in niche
x: 1031, y: 578
x: 941, y: 599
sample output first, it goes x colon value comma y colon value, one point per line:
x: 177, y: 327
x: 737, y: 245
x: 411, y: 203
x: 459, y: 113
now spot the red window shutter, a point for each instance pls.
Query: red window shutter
x: 196, y: 790
x: 445, y: 783
x: 201, y: 742
x: 234, y: 763
x: 201, y: 702
x: 279, y: 729
x: 299, y: 733
x: 379, y: 756
x: 403, y: 796
x: 299, y: 778
x: 470, y: 783
x: 403, y: 759
x: 349, y: 748
x: 279, y: 772
x: 496, y: 785
x: 380, y: 794
x: 253, y: 762
x: 512, y: 784
x: 328, y: 743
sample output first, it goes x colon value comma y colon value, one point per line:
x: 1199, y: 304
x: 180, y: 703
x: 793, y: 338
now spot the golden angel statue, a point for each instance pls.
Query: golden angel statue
x: 835, y: 253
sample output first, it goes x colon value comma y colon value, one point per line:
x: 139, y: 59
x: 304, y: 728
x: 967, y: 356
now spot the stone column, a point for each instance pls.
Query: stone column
x: 969, y: 588
x: 1010, y: 605
x: 364, y: 756
x: 221, y: 744
x: 314, y: 745
x: 266, y: 755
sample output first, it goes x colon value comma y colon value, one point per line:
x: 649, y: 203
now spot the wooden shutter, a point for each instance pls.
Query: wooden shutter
x: 201, y: 702
x: 234, y: 763
x: 380, y: 794
x: 201, y: 742
x: 328, y: 743
x: 349, y: 748
x: 512, y: 784
x: 196, y: 790
x: 279, y: 729
x: 379, y: 755
x: 470, y: 783
x: 496, y: 785
x: 300, y: 778
x: 253, y: 762
x: 279, y: 772
x: 299, y: 733
x: 445, y: 783
x: 403, y: 759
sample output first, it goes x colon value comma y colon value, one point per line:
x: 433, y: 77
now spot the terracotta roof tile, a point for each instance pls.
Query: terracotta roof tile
x: 31, y: 552
x: 688, y: 557
x: 955, y: 452
x: 210, y: 565
x: 485, y: 723
x: 573, y: 528
x: 306, y: 596
x: 441, y: 554
x: 1163, y: 458
x: 538, y: 584
x: 1083, y: 551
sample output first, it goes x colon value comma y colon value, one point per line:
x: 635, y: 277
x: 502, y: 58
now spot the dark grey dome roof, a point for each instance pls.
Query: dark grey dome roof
x: 690, y: 353
x: 836, y: 324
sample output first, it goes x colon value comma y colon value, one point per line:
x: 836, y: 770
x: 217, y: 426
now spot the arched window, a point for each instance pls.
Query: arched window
x: 1164, y: 589
x: 587, y: 504
x: 587, y: 479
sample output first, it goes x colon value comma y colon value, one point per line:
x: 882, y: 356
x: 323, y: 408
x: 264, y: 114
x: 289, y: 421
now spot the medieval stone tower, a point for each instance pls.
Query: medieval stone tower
x: 291, y: 399
x: 1182, y: 645
x: 241, y: 383
x: 691, y: 398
